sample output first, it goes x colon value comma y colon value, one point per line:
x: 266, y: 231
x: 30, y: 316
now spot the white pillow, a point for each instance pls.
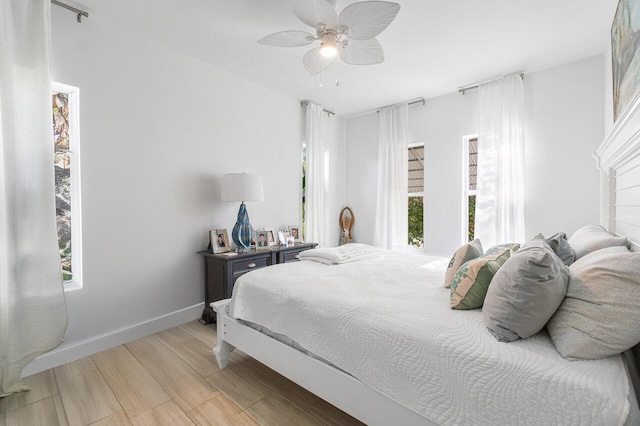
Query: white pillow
x: 599, y: 315
x: 590, y: 238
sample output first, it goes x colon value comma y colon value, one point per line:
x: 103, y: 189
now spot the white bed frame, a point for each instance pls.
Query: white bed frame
x: 618, y: 159
x: 334, y: 386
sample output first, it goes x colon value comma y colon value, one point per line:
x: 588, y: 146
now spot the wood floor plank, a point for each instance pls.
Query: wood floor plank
x: 280, y: 384
x: 87, y: 397
x: 276, y: 410
x: 46, y: 412
x: 43, y: 385
x: 332, y: 416
x: 191, y: 350
x: 220, y: 411
x: 206, y: 333
x: 81, y: 366
x: 136, y: 390
x: 167, y: 414
x: 183, y: 384
x: 239, y: 386
x: 112, y: 356
x: 118, y: 419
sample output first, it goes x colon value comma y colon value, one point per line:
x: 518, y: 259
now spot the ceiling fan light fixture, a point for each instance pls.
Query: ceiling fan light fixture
x: 328, y: 46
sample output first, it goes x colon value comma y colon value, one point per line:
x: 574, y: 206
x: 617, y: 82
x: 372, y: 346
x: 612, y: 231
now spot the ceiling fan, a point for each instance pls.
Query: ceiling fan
x: 349, y: 36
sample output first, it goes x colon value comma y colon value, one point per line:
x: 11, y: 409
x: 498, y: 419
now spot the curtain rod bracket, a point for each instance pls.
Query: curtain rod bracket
x: 80, y: 13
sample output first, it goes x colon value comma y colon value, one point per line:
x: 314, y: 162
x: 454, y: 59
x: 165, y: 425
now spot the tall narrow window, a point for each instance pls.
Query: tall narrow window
x: 416, y: 194
x: 470, y: 179
x: 67, y: 181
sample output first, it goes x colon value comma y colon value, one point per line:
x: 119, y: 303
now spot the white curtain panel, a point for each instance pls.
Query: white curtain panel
x: 314, y: 215
x: 500, y: 186
x: 33, y: 316
x: 391, y: 225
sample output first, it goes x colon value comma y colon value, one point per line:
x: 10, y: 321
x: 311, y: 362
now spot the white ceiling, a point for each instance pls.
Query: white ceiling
x: 431, y: 48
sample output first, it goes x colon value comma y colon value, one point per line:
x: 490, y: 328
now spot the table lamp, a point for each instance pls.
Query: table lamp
x: 242, y: 187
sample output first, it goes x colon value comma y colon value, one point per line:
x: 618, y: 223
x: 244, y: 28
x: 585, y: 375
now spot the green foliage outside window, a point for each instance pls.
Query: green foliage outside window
x: 416, y: 221
x: 472, y: 216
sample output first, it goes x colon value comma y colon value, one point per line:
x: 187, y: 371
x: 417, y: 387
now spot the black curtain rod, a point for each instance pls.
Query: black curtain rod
x: 79, y: 12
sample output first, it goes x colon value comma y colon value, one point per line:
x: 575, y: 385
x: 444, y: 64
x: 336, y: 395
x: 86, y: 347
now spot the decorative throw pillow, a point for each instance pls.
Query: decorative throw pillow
x: 590, y: 238
x: 562, y: 248
x: 599, y: 315
x: 469, y: 251
x: 469, y: 286
x: 525, y: 292
x: 500, y: 247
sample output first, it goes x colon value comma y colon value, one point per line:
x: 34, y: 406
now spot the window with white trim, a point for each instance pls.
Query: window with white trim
x: 469, y: 179
x: 66, y: 144
x: 415, y: 194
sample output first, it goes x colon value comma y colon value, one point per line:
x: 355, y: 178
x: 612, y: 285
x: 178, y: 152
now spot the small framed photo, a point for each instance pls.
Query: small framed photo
x: 294, y: 231
x: 282, y: 237
x: 271, y: 237
x: 262, y: 240
x: 219, y: 241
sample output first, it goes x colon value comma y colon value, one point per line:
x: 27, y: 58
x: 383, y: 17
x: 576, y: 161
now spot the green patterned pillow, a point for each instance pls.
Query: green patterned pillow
x: 500, y: 247
x: 469, y: 251
x: 470, y: 285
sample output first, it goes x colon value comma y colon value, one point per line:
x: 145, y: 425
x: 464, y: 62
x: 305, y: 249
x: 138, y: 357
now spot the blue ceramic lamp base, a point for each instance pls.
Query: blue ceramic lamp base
x: 242, y: 233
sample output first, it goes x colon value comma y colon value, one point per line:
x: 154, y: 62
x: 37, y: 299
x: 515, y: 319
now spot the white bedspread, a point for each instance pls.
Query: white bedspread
x: 387, y: 322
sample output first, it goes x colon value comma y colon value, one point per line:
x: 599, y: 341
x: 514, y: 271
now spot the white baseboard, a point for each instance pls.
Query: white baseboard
x: 64, y: 354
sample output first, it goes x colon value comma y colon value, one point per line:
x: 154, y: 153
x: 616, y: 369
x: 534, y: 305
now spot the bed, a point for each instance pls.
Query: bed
x: 377, y: 373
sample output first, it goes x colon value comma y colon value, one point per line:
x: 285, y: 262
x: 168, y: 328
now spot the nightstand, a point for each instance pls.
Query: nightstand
x: 222, y: 271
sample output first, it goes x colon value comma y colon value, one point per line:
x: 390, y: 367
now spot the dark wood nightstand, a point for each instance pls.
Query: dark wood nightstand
x: 221, y: 271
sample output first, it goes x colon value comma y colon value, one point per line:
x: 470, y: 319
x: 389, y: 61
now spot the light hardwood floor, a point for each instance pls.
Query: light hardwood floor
x: 169, y: 378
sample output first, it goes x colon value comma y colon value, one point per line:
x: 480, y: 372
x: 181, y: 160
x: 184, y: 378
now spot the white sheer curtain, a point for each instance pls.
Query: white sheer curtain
x: 33, y: 315
x: 500, y: 189
x: 391, y: 211
x: 314, y: 197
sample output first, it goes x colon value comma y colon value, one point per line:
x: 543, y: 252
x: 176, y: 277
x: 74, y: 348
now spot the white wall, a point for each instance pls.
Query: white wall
x: 564, y: 110
x: 158, y: 130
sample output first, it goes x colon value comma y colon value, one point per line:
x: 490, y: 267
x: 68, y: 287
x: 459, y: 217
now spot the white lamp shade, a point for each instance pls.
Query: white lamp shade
x: 242, y: 187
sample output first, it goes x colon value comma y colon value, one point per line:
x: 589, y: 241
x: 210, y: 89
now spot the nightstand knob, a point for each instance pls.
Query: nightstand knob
x: 251, y: 265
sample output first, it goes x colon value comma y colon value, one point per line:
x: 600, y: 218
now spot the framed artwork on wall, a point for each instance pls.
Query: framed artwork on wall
x: 625, y: 56
x: 219, y: 241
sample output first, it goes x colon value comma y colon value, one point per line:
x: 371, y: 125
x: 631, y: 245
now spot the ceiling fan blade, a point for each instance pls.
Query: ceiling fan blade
x: 315, y: 12
x: 314, y: 62
x: 362, y: 52
x: 288, y: 39
x: 367, y: 19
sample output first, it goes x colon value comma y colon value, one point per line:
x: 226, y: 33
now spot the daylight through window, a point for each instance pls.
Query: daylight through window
x: 67, y: 180
x: 416, y: 194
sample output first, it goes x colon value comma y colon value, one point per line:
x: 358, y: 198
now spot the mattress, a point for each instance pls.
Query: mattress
x: 387, y: 322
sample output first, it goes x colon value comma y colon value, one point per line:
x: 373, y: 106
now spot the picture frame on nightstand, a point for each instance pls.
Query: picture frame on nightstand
x: 262, y: 240
x: 219, y: 241
x: 294, y: 231
x: 271, y: 237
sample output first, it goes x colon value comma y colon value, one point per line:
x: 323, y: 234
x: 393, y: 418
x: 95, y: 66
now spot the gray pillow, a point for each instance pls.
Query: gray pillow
x: 562, y: 248
x: 467, y: 252
x: 525, y: 292
x: 590, y: 238
x: 599, y: 315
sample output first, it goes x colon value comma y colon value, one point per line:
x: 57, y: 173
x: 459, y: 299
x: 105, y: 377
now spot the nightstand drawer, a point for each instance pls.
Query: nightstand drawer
x: 244, y: 266
x: 290, y: 256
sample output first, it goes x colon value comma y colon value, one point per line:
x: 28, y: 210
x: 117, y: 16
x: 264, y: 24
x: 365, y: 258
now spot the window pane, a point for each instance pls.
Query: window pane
x: 416, y: 222
x: 62, y: 166
x: 473, y: 163
x: 472, y: 217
